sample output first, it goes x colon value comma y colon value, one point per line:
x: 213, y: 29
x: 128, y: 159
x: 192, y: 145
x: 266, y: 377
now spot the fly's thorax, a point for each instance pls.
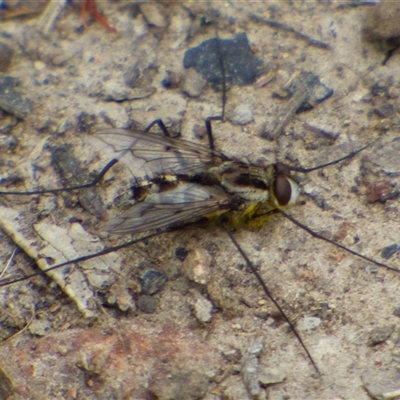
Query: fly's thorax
x: 247, y: 182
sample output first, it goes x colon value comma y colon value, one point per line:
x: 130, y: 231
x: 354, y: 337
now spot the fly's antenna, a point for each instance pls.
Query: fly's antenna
x: 268, y: 293
x: 346, y: 157
x: 318, y: 236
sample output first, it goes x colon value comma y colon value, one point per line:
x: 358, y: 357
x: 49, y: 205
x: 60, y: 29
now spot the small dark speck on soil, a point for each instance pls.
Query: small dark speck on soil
x: 147, y: 304
x: 152, y: 281
x: 181, y: 253
x: 389, y: 251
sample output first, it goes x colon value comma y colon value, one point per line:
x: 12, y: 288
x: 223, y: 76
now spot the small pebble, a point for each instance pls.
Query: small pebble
x: 152, y: 281
x: 155, y: 14
x: 269, y: 376
x: 381, y: 21
x: 193, y: 83
x: 39, y: 65
x: 309, y: 324
x: 125, y: 302
x: 197, y: 266
x: 181, y: 253
x: 6, y: 54
x: 390, y: 251
x: 396, y: 312
x: 202, y: 307
x: 147, y: 304
x: 250, y: 365
x: 240, y: 64
x: 232, y: 355
x: 242, y: 115
x: 172, y: 384
x: 12, y: 101
x: 39, y: 327
x: 379, y: 335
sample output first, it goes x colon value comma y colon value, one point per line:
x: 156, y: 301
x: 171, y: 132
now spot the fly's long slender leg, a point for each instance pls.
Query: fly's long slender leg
x: 293, y: 220
x: 6, y: 282
x: 209, y: 130
x: 68, y: 189
x: 347, y: 156
x: 220, y: 117
x: 161, y: 125
x: 248, y: 262
x: 98, y: 178
x: 222, y: 66
x: 208, y: 121
x: 268, y: 293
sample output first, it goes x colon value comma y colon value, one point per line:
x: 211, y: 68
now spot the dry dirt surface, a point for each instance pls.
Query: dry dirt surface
x: 180, y: 316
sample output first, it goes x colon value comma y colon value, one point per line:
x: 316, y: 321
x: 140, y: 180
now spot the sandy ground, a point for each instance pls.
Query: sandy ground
x: 102, y: 338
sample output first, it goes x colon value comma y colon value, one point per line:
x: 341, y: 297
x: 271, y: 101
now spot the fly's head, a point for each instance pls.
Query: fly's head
x: 259, y: 191
x: 284, y: 189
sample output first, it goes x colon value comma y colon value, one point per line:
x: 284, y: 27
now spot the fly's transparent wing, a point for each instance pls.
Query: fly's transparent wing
x: 153, y: 154
x: 161, y: 210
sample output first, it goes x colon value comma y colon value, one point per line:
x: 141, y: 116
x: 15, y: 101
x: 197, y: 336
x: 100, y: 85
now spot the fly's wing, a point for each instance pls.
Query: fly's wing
x: 152, y: 154
x: 162, y: 210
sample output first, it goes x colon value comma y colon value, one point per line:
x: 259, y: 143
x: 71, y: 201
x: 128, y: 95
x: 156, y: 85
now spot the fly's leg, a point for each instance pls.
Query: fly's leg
x: 270, y: 296
x: 93, y: 183
x: 98, y: 178
x: 208, y: 121
x: 209, y: 130
x: 161, y: 125
x: 223, y: 95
